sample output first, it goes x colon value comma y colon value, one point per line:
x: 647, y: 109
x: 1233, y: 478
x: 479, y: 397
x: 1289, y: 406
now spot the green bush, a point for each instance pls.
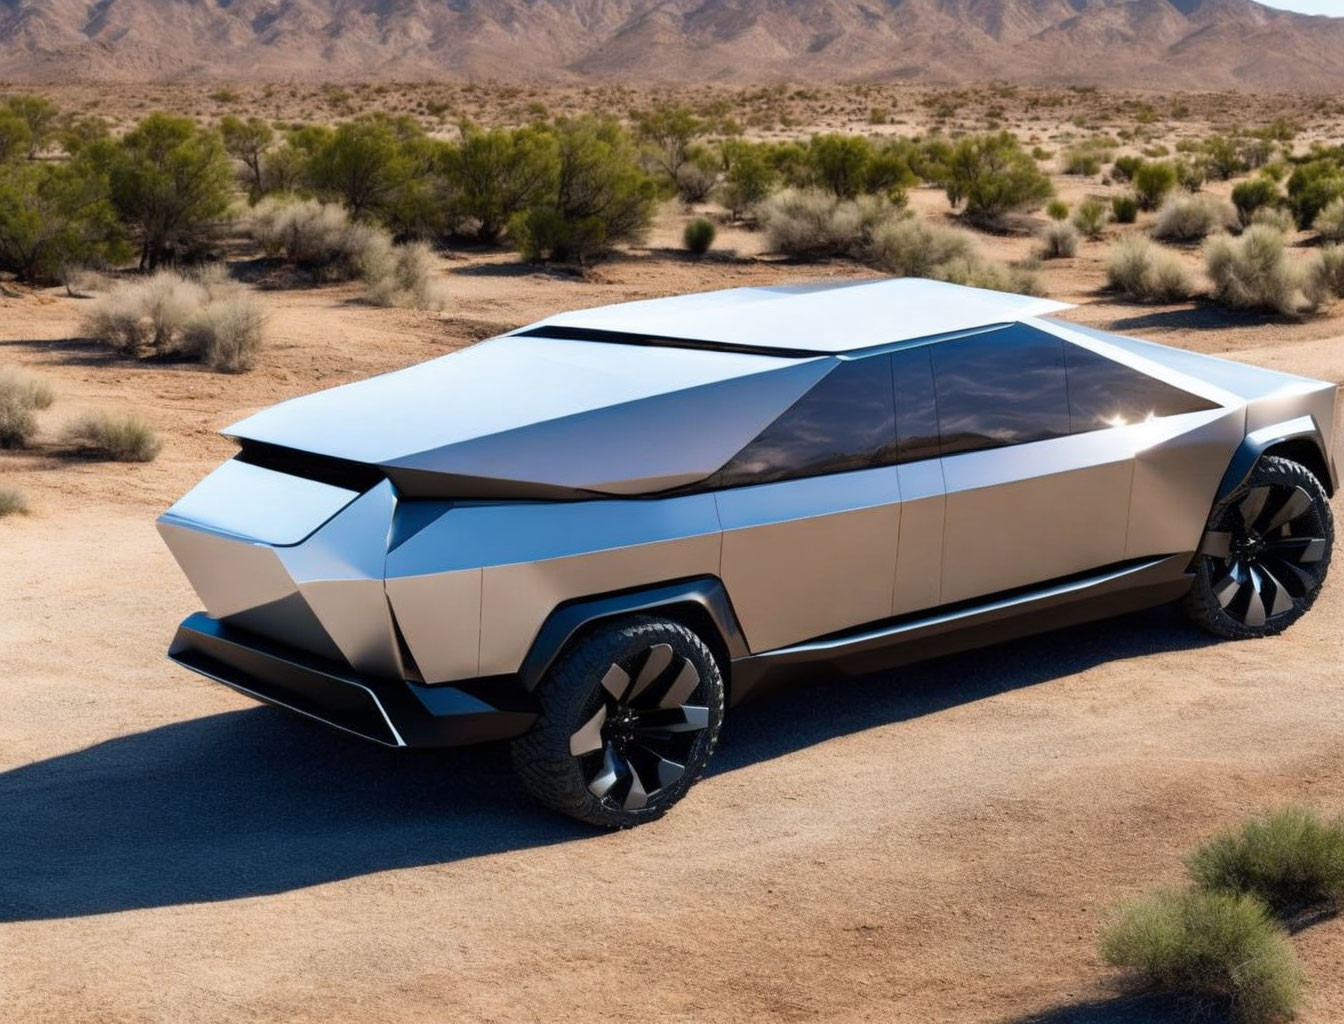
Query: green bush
x: 1312, y: 187
x: 15, y: 138
x: 1275, y: 217
x: 1152, y: 183
x: 1125, y: 209
x: 247, y: 142
x: 1060, y: 240
x: 1222, y: 951
x: 21, y: 395
x: 698, y: 235
x: 1253, y: 272
x: 494, y: 175
x: 812, y: 224
x: 697, y: 176
x: 55, y: 218
x: 1125, y: 167
x: 1091, y: 217
x: 170, y: 184
x: 1291, y: 860
x: 1140, y: 270
x: 1085, y: 160
x: 666, y: 133
x: 39, y: 115
x: 1057, y: 209
x: 1190, y: 175
x: 368, y: 165
x: 120, y: 438
x: 1329, y: 223
x: 12, y: 502
x: 994, y: 176
x: 1252, y: 195
x: 601, y: 196
x: 1193, y: 218
x: 749, y: 179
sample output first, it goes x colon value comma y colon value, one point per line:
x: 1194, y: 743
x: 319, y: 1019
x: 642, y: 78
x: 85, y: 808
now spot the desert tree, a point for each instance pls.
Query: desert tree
x: 170, y: 182
x: 15, y: 138
x: 492, y: 175
x: 247, y: 142
x: 40, y: 115
x: 667, y: 133
x: 993, y: 175
x: 55, y: 217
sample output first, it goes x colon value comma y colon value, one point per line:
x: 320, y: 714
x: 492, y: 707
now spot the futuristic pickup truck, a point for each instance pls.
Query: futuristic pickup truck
x: 591, y: 535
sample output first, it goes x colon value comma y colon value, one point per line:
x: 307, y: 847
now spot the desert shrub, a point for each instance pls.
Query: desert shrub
x: 1152, y: 183
x: 120, y: 438
x: 146, y: 318
x: 318, y: 237
x: 1312, y: 187
x: 494, y: 175
x: 169, y: 182
x: 405, y: 276
x: 226, y: 334
x: 1291, y: 860
x: 1275, y: 217
x: 1125, y: 166
x: 1090, y: 217
x: 601, y: 196
x: 1325, y: 276
x: 811, y: 224
x: 1125, y: 209
x: 1140, y: 270
x: 39, y: 115
x: 1085, y: 160
x: 1329, y: 223
x: 1020, y: 278
x: 1190, y: 175
x: 1057, y: 209
x: 55, y: 217
x: 697, y: 177
x: 15, y: 138
x: 750, y: 177
x: 1223, y: 951
x: 994, y: 176
x: 1192, y: 218
x: 21, y: 395
x: 910, y: 247
x: 12, y: 502
x: 247, y: 142
x: 1060, y: 240
x: 666, y: 134
x: 1252, y: 195
x: 368, y: 164
x: 698, y: 235
x: 1253, y: 272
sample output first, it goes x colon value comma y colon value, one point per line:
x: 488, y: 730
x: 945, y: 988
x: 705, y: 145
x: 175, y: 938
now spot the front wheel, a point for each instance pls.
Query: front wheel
x: 630, y: 716
x: 1265, y: 553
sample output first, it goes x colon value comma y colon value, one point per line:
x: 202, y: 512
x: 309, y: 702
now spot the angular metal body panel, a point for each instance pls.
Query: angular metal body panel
x: 409, y: 551
x: 806, y: 557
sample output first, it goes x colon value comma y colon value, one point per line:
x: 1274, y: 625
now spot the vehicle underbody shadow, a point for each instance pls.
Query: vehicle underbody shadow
x: 1130, y: 1009
x: 254, y: 802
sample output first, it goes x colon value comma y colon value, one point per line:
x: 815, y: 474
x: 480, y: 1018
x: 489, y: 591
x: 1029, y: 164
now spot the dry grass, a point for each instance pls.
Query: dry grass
x: 405, y: 276
x: 1193, y: 218
x: 1140, y: 270
x: 12, y: 502
x: 116, y: 437
x: 227, y: 334
x: 1329, y: 223
x: 1060, y: 240
x: 21, y: 395
x: 318, y: 237
x: 1254, y: 272
x: 811, y: 224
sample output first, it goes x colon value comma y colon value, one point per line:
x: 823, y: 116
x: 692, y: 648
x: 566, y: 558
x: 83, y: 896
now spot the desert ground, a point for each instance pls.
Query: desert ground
x: 937, y: 846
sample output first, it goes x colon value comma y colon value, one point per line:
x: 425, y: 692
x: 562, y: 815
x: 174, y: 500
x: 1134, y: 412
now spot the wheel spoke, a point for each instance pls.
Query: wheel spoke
x: 588, y: 737
x: 1302, y: 550
x: 637, y: 796
x: 665, y: 769
x: 1226, y: 589
x: 616, y: 682
x: 610, y: 774
x: 659, y: 658
x: 1296, y: 504
x: 1253, y: 504
x: 1255, y: 604
x: 1272, y: 592
x: 687, y: 718
x: 1300, y: 582
x: 679, y: 692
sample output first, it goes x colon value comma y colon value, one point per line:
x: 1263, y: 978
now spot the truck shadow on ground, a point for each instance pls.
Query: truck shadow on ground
x: 254, y: 802
x: 1130, y: 1009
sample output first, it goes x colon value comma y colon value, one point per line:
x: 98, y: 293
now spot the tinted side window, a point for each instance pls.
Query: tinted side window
x: 1104, y: 393
x: 847, y: 421
x: 916, y: 406
x: 1000, y: 388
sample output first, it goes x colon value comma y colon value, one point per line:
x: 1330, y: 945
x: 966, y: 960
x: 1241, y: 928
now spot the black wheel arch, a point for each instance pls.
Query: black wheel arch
x: 700, y: 603
x: 1299, y: 440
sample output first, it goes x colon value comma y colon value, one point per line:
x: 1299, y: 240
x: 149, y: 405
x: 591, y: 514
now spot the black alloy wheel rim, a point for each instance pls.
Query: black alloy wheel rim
x: 640, y: 735
x: 1265, y: 553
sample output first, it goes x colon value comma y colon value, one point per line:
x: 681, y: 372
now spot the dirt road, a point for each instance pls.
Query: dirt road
x: 939, y: 846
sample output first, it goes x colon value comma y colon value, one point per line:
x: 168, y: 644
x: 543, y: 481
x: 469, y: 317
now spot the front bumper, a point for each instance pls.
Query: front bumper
x: 394, y: 712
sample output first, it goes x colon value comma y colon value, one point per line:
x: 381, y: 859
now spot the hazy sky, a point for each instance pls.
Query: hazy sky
x: 1335, y: 7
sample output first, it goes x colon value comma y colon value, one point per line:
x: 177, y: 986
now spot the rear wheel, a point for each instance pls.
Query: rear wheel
x: 630, y: 716
x: 1265, y: 553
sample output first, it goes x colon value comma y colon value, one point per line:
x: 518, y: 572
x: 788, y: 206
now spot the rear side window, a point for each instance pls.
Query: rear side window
x: 1104, y: 393
x: 1000, y: 388
x: 916, y: 406
x: 845, y: 422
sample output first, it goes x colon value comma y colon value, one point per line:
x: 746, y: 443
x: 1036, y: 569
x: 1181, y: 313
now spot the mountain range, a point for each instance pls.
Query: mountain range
x: 1155, y: 44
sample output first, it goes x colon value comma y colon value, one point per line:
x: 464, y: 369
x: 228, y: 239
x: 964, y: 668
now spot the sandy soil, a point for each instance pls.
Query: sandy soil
x: 938, y: 846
